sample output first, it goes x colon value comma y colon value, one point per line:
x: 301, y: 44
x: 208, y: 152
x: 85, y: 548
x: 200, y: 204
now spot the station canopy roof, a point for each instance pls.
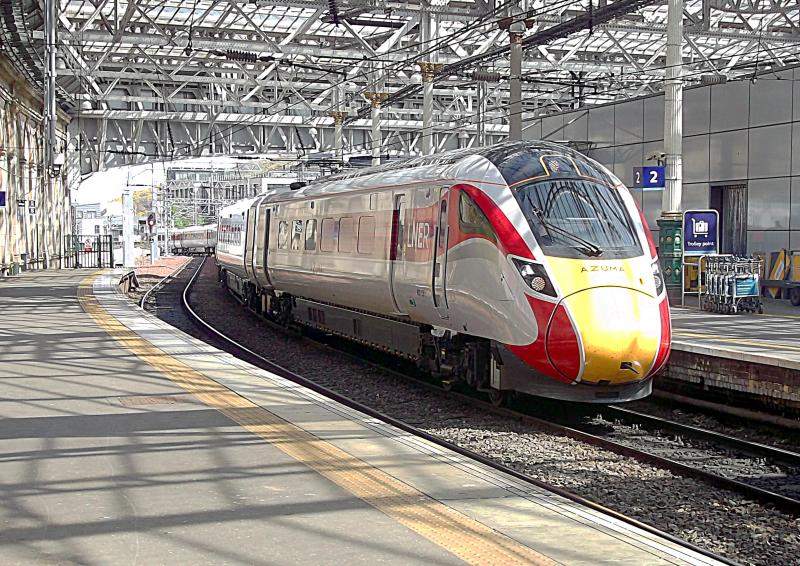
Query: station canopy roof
x: 236, y: 61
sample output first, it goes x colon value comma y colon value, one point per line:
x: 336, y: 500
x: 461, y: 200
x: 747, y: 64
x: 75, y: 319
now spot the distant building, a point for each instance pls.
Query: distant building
x: 89, y: 220
x: 113, y: 226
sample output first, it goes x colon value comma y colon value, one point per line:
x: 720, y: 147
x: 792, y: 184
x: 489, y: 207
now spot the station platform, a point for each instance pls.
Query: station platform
x: 125, y: 440
x: 753, y: 357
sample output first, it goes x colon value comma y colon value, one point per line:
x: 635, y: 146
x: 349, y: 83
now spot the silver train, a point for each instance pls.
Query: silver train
x: 193, y: 240
x: 524, y: 266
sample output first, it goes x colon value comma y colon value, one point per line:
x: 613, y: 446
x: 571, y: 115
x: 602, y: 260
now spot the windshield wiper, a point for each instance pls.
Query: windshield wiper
x: 589, y: 248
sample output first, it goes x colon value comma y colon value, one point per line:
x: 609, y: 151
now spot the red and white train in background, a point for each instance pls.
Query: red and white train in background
x: 524, y: 266
x: 193, y: 240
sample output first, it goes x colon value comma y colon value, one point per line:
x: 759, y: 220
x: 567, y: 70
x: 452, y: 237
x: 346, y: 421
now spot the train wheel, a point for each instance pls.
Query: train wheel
x: 497, y: 398
x: 447, y: 384
x: 794, y: 296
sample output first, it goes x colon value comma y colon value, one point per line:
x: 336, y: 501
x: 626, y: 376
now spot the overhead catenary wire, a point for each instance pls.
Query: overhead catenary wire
x: 191, y: 147
x: 396, y: 66
x: 415, y: 56
x: 616, y: 10
x: 245, y: 125
x: 469, y: 116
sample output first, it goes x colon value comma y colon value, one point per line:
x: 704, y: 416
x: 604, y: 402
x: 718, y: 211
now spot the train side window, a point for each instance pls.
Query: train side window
x: 366, y: 234
x: 283, y: 235
x: 311, y: 235
x: 347, y: 235
x: 297, y: 235
x: 471, y: 218
x: 327, y: 242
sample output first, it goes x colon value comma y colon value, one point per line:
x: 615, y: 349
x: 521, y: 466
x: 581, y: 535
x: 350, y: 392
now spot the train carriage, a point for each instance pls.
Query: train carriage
x: 194, y: 240
x: 524, y: 266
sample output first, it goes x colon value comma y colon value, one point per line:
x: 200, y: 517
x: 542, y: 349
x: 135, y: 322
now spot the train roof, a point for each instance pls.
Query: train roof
x: 194, y: 228
x: 238, y: 208
x: 506, y: 156
x: 507, y: 163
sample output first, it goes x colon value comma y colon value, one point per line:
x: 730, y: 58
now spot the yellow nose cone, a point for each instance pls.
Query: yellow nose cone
x: 620, y: 331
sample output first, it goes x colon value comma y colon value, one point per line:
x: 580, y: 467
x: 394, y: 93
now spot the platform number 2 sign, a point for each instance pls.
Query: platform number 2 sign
x: 648, y: 177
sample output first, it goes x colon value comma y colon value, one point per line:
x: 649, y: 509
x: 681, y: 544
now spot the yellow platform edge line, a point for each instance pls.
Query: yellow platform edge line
x: 468, y: 539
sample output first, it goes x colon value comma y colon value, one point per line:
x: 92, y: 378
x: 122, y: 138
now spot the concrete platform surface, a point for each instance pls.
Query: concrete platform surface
x: 124, y: 440
x: 769, y: 338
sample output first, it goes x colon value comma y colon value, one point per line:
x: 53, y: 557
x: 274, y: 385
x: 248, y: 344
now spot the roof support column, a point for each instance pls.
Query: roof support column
x: 338, y: 116
x: 673, y: 109
x: 429, y: 71
x: 515, y: 88
x: 50, y: 47
x: 670, y: 237
x: 376, y: 99
x: 127, y: 227
x: 338, y: 133
x: 428, y: 67
x: 481, y: 114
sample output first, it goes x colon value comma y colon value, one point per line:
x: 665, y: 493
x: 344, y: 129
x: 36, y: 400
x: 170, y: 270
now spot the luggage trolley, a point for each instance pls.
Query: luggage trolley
x: 732, y: 284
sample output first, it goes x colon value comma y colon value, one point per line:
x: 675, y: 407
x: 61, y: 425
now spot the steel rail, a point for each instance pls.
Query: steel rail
x: 161, y: 281
x: 247, y: 354
x: 782, y: 502
x: 756, y: 449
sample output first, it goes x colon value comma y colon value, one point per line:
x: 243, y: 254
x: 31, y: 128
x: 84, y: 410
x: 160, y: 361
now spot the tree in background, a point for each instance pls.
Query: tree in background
x: 142, y: 202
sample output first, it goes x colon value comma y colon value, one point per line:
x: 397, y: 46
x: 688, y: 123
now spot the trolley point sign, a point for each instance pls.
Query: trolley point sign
x: 700, y: 232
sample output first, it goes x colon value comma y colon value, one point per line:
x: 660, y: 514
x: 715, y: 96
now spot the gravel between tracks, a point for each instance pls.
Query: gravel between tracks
x: 770, y: 435
x: 717, y: 519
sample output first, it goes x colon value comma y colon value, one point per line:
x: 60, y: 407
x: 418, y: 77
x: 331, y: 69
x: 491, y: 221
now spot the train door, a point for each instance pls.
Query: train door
x: 396, y: 248
x: 262, y: 246
x: 250, y: 219
x: 439, y: 259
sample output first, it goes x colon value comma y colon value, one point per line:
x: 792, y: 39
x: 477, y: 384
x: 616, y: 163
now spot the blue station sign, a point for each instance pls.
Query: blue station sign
x: 2, y: 198
x: 700, y: 232
x: 648, y: 177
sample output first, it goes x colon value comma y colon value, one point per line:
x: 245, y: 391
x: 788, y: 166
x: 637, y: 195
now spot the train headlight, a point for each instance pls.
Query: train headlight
x: 535, y: 277
x: 658, y: 277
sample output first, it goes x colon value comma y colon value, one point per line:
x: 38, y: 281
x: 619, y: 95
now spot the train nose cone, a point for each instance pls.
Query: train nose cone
x: 618, y: 330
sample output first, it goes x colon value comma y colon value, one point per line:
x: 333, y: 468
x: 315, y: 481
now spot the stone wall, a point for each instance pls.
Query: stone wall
x: 36, y: 218
x: 737, y: 382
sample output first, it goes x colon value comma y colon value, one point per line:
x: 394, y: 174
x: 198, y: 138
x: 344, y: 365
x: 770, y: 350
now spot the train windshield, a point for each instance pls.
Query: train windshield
x: 579, y: 218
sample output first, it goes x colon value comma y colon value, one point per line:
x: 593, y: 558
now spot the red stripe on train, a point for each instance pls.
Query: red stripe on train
x: 506, y: 232
x: 665, y: 347
x: 562, y: 345
x: 535, y: 354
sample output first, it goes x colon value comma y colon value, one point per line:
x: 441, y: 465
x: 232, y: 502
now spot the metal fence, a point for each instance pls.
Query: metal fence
x: 90, y: 251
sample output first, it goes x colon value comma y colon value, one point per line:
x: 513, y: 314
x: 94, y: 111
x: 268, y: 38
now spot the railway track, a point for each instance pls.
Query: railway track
x: 776, y: 479
x: 771, y: 475
x: 763, y: 473
x: 183, y: 285
x: 602, y: 433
